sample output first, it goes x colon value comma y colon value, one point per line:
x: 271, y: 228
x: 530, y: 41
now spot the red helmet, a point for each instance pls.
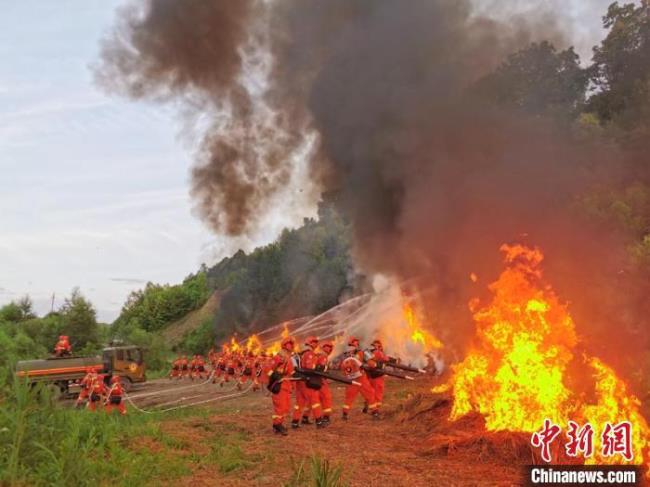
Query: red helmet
x: 115, y: 379
x: 353, y: 342
x: 89, y: 370
x: 61, y: 337
x: 327, y: 344
x: 286, y: 341
x: 311, y: 341
x: 377, y: 343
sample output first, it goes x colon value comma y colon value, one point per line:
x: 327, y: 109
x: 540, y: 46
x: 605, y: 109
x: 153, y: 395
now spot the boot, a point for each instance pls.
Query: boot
x: 321, y: 423
x: 305, y: 420
x: 344, y: 417
x: 279, y: 429
x: 365, y: 408
x: 326, y: 419
x: 295, y: 424
x: 375, y: 415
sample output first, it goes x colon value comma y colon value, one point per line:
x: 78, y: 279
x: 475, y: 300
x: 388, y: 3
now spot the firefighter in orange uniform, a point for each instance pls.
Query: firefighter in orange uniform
x: 232, y: 365
x: 85, y: 384
x: 352, y: 367
x: 97, y: 392
x: 176, y: 368
x: 375, y: 359
x: 198, y: 367
x: 114, y: 397
x: 193, y: 365
x: 184, y: 367
x: 220, y: 366
x: 301, y: 404
x: 307, y: 396
x: 325, y: 393
x: 63, y: 347
x: 266, y: 364
x: 247, y: 369
x: 281, y: 370
x: 258, y: 364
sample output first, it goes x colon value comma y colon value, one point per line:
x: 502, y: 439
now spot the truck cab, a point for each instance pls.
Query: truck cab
x: 127, y: 362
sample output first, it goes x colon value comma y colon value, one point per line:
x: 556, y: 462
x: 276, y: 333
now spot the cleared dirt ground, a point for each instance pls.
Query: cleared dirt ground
x: 230, y: 443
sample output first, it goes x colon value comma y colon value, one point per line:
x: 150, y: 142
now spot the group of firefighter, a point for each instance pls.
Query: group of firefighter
x: 194, y: 368
x: 303, y: 374
x: 97, y: 395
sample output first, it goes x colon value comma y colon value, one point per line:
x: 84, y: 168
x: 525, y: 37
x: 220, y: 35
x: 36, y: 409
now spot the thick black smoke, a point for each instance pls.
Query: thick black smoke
x: 433, y: 180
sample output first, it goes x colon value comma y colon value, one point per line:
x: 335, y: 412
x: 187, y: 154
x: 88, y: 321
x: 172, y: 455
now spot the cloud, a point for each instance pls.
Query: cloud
x: 128, y: 280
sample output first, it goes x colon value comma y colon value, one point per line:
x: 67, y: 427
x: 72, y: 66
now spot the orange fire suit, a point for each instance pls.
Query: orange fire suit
x: 248, y: 368
x: 62, y: 348
x: 184, y: 368
x: 199, y: 367
x: 85, y: 384
x: 114, y: 399
x: 307, y: 396
x: 97, y: 392
x: 374, y: 358
x: 325, y: 393
x: 176, y: 369
x: 281, y: 368
x: 351, y: 367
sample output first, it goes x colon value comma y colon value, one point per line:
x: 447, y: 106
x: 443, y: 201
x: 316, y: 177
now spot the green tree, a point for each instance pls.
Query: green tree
x: 538, y: 81
x: 621, y: 67
x: 80, y: 321
x: 17, y: 311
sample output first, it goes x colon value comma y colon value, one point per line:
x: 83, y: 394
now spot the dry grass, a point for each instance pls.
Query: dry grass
x: 175, y: 332
x: 414, y: 445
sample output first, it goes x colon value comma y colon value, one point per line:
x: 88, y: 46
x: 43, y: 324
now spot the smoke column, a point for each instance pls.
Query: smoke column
x: 432, y: 179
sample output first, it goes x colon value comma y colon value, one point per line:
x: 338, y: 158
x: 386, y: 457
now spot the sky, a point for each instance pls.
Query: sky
x: 94, y: 188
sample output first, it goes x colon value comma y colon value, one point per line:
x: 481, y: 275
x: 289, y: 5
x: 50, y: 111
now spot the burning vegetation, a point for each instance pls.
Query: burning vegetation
x: 524, y: 365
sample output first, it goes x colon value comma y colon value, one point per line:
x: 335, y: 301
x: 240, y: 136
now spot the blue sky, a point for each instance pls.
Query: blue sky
x: 93, y: 188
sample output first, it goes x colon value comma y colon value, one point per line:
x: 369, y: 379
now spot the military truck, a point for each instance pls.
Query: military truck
x: 65, y: 372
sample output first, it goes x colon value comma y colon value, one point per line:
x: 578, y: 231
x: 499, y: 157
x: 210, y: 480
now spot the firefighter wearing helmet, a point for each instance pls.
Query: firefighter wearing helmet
x: 97, y: 392
x: 325, y: 393
x: 375, y: 359
x: 85, y: 384
x: 307, y: 395
x: 176, y: 369
x: 63, y: 347
x: 280, y: 371
x: 352, y: 367
x: 114, y: 398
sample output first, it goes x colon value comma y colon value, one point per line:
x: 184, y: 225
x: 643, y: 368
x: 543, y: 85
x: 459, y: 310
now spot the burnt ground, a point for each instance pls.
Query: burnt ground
x: 230, y: 442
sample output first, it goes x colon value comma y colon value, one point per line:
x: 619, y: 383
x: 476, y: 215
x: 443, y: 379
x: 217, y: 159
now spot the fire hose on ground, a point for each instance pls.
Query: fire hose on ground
x: 182, y: 406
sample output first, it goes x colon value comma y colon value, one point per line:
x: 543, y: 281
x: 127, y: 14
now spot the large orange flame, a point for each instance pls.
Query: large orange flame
x: 515, y: 375
x: 417, y: 334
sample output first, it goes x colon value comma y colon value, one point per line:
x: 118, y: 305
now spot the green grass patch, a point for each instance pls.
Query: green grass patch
x: 42, y: 443
x: 227, y: 449
x: 318, y: 472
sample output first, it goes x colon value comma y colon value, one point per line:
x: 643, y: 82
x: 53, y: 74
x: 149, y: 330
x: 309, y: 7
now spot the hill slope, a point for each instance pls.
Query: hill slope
x: 175, y: 331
